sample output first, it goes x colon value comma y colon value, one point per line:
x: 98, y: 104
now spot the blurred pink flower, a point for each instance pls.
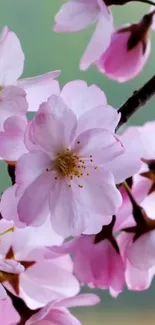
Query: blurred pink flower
x: 139, y: 260
x: 8, y: 315
x: 12, y: 58
x: 132, y: 45
x: 76, y: 15
x: 43, y: 280
x: 57, y: 313
x: 97, y: 264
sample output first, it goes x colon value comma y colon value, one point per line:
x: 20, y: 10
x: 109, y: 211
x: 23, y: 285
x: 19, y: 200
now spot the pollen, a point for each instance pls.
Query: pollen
x: 66, y: 164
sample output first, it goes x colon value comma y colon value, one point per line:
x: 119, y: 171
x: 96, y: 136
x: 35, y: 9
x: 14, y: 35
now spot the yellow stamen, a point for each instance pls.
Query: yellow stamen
x: 6, y: 231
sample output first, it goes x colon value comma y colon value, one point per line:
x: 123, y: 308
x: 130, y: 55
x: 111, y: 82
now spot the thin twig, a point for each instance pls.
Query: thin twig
x: 136, y: 101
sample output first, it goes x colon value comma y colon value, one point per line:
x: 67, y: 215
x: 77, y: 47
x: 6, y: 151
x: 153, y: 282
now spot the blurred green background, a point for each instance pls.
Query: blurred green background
x: 45, y: 50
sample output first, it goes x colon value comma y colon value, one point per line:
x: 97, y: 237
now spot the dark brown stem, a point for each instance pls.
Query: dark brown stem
x: 21, y: 308
x: 11, y: 172
x: 123, y: 2
x: 136, y: 101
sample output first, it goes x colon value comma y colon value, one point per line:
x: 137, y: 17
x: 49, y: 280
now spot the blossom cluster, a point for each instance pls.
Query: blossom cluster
x: 80, y: 207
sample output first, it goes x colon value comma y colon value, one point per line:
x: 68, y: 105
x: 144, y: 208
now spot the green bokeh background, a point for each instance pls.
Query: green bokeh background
x: 32, y: 20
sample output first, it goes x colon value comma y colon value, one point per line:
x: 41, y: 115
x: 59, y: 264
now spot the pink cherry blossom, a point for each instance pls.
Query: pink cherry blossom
x: 84, y: 102
x: 97, y: 264
x: 43, y: 280
x: 12, y: 58
x: 76, y: 15
x: 137, y: 278
x: 132, y: 45
x: 69, y: 169
x: 57, y: 312
x: 8, y: 315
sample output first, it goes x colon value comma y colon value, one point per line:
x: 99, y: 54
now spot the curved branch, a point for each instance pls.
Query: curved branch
x: 136, y: 101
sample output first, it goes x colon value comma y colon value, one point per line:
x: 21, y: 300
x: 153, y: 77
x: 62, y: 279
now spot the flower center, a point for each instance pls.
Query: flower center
x: 66, y: 164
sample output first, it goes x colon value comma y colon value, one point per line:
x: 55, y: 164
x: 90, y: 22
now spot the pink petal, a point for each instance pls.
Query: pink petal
x: 54, y: 316
x: 11, y: 58
x: 3, y: 294
x: 85, y: 299
x: 46, y: 281
x: 12, y: 138
x: 141, y: 253
x: 30, y: 166
x: 104, y: 117
x: 76, y: 15
x: 64, y: 203
x: 9, y: 211
x: 54, y: 125
x: 40, y: 88
x: 101, y: 144
x: 45, y: 235
x: 81, y: 98
x: 98, y: 44
x: 132, y: 149
x: 12, y: 102
x: 98, y: 196
x: 136, y: 279
x: 9, y: 316
x: 11, y: 266
x: 33, y: 208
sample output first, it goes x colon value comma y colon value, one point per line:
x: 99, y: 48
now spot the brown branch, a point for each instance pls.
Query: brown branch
x: 136, y: 101
x: 21, y: 308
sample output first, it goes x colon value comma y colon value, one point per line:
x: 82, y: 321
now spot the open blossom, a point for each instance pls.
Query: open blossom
x: 42, y: 280
x: 66, y: 172
x: 8, y: 315
x: 57, y: 313
x: 132, y: 45
x: 12, y: 58
x: 97, y: 264
x: 76, y: 15
x: 72, y: 151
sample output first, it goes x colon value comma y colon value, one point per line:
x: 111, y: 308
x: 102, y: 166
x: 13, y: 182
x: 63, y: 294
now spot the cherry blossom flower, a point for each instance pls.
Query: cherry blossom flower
x: 76, y: 15
x: 12, y: 58
x: 81, y: 123
x: 132, y: 45
x: 56, y: 312
x: 97, y: 262
x: 43, y: 280
x: 8, y: 315
x: 69, y: 169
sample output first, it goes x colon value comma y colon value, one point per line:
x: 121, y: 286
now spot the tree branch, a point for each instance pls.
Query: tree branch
x: 136, y: 101
x: 22, y: 309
